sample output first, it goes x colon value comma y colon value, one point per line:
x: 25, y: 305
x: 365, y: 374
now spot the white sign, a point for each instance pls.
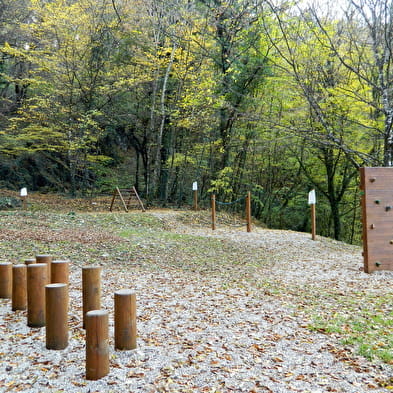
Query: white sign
x: 312, y: 199
x: 23, y: 192
x: 195, y: 186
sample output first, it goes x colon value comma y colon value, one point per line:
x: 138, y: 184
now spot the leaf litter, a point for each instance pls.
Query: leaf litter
x: 222, y: 311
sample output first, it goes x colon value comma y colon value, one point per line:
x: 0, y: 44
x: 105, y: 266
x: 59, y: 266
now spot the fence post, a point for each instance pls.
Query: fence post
x: 313, y: 222
x: 248, y: 211
x: 213, y: 212
x: 56, y: 316
x: 97, y: 344
x: 48, y: 260
x: 19, y: 287
x: 60, y: 272
x: 36, y: 281
x: 5, y: 280
x: 30, y: 261
x: 125, y: 319
x: 91, y: 289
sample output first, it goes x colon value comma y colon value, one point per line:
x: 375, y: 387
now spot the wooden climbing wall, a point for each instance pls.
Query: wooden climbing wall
x: 377, y: 218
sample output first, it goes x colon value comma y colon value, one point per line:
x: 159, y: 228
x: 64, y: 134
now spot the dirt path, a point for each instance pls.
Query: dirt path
x: 212, y: 332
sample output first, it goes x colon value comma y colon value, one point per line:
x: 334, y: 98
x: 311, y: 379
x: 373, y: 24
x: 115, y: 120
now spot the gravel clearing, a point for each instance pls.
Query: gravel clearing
x: 201, y: 333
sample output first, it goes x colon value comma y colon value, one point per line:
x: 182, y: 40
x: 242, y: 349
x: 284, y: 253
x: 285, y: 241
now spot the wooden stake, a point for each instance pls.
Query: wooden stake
x: 313, y: 222
x: 195, y: 200
x: 36, y: 281
x: 24, y: 202
x: 48, y: 260
x: 213, y: 212
x: 91, y: 289
x: 19, y: 287
x: 56, y: 316
x: 97, y: 344
x: 60, y: 272
x: 6, y: 280
x: 248, y: 211
x: 30, y: 261
x: 125, y: 319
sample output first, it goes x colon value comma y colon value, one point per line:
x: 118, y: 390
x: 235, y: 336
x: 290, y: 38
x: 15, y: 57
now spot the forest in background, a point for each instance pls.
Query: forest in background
x: 276, y: 98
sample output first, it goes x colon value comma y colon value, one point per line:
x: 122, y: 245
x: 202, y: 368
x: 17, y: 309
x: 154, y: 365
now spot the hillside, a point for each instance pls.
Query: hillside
x: 222, y: 311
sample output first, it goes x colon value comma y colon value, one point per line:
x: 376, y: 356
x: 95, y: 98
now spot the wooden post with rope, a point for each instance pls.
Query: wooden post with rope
x: 213, y: 212
x: 248, y: 211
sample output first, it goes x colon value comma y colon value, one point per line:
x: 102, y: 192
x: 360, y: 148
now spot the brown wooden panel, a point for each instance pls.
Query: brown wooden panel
x: 377, y: 217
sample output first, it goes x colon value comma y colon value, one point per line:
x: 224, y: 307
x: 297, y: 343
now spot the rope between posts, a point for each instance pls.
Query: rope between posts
x: 231, y: 203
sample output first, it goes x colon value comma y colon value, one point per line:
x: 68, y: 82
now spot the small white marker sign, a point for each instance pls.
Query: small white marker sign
x: 195, y: 186
x: 312, y: 199
x: 23, y: 192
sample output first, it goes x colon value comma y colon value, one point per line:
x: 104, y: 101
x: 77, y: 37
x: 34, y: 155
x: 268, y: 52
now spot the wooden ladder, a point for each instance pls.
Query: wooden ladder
x: 126, y: 193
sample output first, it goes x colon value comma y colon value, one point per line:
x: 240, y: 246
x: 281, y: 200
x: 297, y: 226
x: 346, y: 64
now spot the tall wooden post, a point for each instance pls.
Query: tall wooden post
x: 91, y: 289
x: 125, y: 319
x: 313, y: 222
x: 248, y: 211
x: 36, y: 281
x: 97, y: 344
x: 213, y: 212
x: 5, y: 280
x: 195, y: 200
x: 56, y: 316
x: 19, y: 287
x: 60, y: 272
x: 48, y: 260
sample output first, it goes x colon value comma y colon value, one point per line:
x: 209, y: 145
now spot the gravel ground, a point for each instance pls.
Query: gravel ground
x: 196, y: 334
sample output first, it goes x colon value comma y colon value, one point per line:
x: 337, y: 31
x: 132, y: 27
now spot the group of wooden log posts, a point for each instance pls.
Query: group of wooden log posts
x: 40, y: 286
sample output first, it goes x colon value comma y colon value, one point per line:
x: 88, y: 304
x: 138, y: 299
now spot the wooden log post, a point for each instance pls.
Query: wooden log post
x: 213, y: 212
x: 36, y: 281
x: 248, y: 211
x: 195, y: 200
x: 5, y: 280
x: 97, y: 344
x: 30, y: 261
x: 313, y: 222
x: 91, y: 289
x: 60, y: 272
x: 125, y: 319
x: 48, y: 260
x: 19, y: 287
x: 56, y: 316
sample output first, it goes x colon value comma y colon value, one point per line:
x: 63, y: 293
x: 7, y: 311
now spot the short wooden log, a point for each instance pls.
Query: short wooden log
x: 48, y: 260
x: 19, y: 287
x: 29, y: 261
x: 56, y: 316
x: 91, y: 289
x: 125, y: 319
x: 97, y: 344
x: 60, y: 272
x: 6, y: 280
x: 36, y: 281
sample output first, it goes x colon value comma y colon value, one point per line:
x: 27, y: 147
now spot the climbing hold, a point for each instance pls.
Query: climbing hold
x: 387, y: 208
x: 391, y: 242
x: 377, y: 264
x: 372, y: 226
x: 377, y: 201
x: 372, y: 179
